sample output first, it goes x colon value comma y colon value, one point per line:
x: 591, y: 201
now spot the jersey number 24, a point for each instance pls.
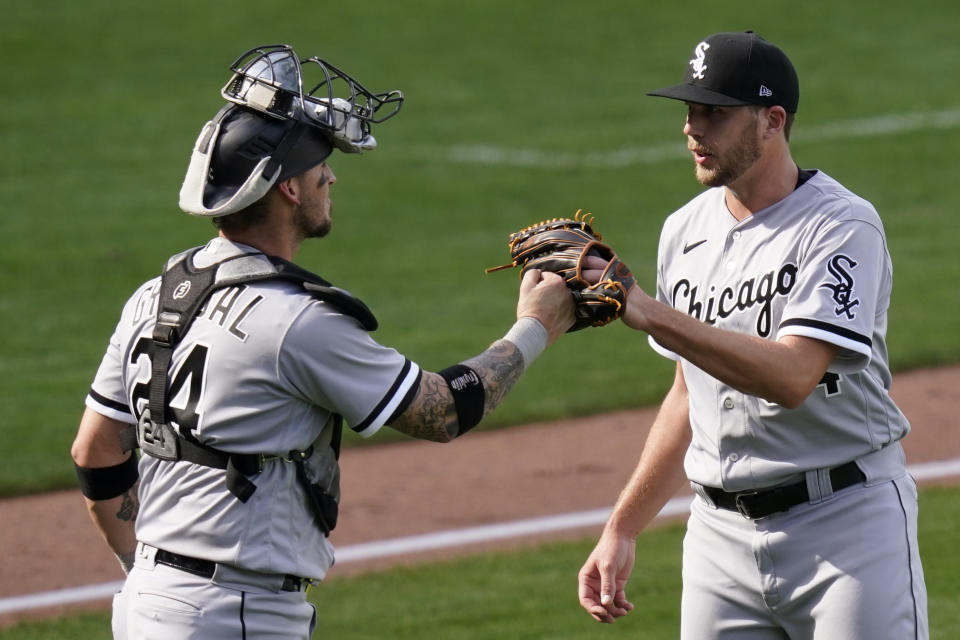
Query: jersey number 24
x: 190, y: 372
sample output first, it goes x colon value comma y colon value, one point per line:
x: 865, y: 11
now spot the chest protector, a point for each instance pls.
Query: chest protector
x: 184, y: 289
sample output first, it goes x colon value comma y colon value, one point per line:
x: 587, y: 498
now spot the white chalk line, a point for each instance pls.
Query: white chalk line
x: 433, y: 541
x: 655, y: 154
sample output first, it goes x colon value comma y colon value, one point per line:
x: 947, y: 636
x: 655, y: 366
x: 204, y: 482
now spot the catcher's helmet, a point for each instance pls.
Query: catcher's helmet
x: 271, y: 129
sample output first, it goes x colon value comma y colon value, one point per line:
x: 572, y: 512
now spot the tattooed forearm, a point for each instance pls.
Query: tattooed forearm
x: 115, y: 519
x: 129, y: 505
x: 500, y: 367
x: 433, y: 416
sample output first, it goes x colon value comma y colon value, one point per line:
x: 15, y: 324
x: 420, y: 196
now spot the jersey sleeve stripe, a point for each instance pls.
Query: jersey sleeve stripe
x: 399, y: 393
x: 109, y: 408
x: 407, y: 399
x: 826, y: 327
x: 856, y: 350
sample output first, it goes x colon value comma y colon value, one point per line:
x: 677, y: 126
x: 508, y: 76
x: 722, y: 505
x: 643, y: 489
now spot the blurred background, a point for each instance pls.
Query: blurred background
x: 514, y: 112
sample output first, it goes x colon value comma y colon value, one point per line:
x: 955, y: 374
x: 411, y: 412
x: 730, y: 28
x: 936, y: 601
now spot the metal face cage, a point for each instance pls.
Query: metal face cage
x: 273, y: 80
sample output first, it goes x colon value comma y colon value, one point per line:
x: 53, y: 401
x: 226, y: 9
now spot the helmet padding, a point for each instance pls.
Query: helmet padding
x: 246, y: 137
x: 241, y: 154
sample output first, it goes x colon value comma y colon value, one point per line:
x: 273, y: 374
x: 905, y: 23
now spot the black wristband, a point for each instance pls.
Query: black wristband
x: 108, y: 482
x: 468, y: 395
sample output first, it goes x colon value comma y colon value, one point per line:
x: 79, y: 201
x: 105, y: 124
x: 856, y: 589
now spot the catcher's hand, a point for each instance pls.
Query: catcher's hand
x: 562, y: 246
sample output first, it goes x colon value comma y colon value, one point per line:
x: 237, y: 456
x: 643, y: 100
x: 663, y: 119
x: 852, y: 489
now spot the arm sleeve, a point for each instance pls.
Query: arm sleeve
x: 843, y: 283
x: 333, y: 362
x: 107, y: 396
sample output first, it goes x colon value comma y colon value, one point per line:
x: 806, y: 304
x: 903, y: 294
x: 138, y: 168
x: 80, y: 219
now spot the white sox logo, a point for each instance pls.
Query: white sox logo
x: 699, y: 63
x: 750, y: 293
x: 843, y: 288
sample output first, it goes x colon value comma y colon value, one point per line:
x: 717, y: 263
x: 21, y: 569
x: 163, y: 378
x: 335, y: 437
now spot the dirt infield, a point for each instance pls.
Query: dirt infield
x: 413, y: 487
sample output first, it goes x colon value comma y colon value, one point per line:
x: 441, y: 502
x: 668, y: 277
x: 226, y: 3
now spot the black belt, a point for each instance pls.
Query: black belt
x: 205, y: 569
x: 763, y: 502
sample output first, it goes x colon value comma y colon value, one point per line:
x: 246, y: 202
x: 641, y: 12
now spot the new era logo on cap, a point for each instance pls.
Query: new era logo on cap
x: 737, y: 68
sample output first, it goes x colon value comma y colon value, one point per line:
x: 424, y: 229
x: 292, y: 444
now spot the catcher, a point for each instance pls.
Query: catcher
x: 571, y: 248
x: 235, y: 370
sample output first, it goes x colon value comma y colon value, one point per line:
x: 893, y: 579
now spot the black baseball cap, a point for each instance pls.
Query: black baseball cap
x: 737, y: 68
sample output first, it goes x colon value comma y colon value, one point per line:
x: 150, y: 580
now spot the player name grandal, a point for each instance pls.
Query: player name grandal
x: 751, y: 292
x: 219, y: 308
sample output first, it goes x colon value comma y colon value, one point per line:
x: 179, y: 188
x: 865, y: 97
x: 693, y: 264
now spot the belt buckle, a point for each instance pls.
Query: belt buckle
x: 296, y: 583
x: 742, y: 509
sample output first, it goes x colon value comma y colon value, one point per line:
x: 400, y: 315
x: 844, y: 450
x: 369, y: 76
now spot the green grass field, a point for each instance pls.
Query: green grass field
x: 103, y: 103
x: 531, y: 594
x: 515, y: 112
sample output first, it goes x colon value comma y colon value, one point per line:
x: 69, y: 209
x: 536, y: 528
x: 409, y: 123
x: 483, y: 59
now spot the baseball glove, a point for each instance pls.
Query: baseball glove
x: 562, y: 245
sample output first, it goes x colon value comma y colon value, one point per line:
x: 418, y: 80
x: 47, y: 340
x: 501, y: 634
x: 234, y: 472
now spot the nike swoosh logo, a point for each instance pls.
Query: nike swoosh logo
x: 693, y: 245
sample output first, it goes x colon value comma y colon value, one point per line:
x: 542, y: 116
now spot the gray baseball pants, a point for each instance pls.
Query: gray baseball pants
x: 844, y: 567
x: 159, y: 602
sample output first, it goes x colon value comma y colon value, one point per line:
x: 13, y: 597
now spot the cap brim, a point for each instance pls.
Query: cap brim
x: 697, y: 94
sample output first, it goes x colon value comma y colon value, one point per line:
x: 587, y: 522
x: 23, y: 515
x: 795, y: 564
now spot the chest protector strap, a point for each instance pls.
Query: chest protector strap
x: 184, y: 289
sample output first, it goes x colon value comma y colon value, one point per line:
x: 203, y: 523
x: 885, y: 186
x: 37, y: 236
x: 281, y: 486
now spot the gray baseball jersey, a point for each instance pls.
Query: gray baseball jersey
x: 264, y: 369
x: 814, y: 264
